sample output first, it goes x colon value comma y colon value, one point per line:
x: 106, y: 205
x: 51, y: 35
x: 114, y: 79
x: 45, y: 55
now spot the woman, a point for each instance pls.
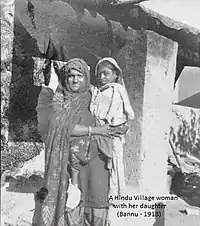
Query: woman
x: 63, y: 118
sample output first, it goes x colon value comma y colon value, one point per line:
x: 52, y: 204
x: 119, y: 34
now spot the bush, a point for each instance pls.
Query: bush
x: 187, y: 137
x: 17, y: 153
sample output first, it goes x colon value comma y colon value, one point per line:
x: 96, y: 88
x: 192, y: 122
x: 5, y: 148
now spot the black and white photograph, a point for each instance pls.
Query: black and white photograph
x: 100, y: 112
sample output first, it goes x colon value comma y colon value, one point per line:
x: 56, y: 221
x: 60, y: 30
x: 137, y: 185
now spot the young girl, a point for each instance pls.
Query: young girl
x: 110, y: 105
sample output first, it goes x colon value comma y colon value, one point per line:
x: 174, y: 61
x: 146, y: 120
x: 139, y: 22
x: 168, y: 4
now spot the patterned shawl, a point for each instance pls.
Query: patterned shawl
x: 63, y: 115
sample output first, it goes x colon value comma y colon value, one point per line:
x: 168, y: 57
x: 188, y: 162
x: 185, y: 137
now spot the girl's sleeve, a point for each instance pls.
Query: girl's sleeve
x: 127, y: 108
x: 120, y: 108
x: 44, y: 109
x: 115, y: 115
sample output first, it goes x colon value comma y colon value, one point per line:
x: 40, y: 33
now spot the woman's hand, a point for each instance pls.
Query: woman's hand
x: 118, y: 130
x: 101, y: 130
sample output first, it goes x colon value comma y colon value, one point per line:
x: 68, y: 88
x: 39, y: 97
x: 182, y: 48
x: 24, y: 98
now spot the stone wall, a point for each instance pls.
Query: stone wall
x: 18, y: 94
x: 7, y: 19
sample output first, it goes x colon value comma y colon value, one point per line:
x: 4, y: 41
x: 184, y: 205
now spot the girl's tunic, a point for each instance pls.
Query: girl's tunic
x: 111, y: 105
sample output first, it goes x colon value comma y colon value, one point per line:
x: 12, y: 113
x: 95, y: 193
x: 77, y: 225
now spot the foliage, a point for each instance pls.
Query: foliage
x: 187, y: 137
x: 16, y: 153
x: 5, y: 78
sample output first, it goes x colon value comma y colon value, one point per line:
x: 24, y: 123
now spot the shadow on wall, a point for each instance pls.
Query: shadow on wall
x: 23, y: 93
x: 187, y: 138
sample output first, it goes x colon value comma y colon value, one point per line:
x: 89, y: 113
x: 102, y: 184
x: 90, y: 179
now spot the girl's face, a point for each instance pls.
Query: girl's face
x: 105, y: 75
x: 75, y: 81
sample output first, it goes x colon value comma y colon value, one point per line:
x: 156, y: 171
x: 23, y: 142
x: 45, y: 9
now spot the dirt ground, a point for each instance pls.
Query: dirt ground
x: 17, y: 199
x: 173, y: 216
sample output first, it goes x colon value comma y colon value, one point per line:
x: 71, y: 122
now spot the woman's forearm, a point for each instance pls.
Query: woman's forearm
x: 80, y: 130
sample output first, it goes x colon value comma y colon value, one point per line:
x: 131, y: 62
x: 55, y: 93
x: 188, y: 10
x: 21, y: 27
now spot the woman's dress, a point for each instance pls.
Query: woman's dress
x: 93, y: 176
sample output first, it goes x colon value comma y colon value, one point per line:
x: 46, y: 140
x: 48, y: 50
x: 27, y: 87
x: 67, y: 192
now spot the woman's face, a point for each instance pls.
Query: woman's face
x: 75, y: 81
x: 105, y: 75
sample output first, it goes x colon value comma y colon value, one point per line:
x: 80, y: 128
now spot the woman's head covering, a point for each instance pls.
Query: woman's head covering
x: 114, y: 63
x: 79, y: 65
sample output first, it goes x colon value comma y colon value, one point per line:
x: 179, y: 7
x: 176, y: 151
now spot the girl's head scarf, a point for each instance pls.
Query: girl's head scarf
x: 117, y: 68
x: 120, y: 80
x: 67, y: 108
